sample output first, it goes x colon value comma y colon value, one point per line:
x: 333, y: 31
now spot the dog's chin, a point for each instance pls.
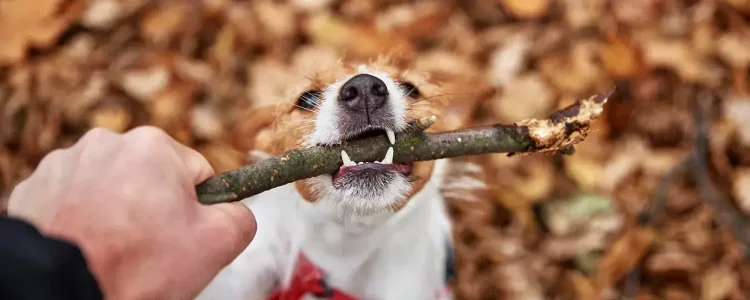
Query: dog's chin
x: 365, y: 191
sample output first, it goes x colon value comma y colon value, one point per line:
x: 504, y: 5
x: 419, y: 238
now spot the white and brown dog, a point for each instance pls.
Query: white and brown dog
x: 373, y: 230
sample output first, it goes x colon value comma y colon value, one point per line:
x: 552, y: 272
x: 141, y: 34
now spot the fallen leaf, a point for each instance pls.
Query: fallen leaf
x: 586, y: 171
x: 527, y: 9
x: 584, y: 287
x: 28, y: 24
x: 144, y: 84
x: 718, y: 283
x: 623, y: 255
x: 528, y: 96
x: 678, y: 56
x: 620, y: 58
x: 572, y: 71
x: 102, y: 14
x: 741, y: 189
x: 206, y: 123
x: 508, y: 60
x: 564, y: 217
x: 113, y: 118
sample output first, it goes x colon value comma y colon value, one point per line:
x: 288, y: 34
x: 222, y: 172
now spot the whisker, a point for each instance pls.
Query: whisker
x: 442, y: 95
x: 307, y: 109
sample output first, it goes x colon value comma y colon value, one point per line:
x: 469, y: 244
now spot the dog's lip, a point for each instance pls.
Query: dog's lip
x: 403, y: 169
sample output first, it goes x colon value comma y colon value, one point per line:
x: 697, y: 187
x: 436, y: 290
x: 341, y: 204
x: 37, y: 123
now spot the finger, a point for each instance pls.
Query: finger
x: 195, y: 162
x: 226, y: 230
x: 197, y: 165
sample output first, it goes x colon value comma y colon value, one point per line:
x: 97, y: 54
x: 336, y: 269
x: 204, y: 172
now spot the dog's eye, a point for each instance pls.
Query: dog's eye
x: 308, y: 100
x: 411, y: 90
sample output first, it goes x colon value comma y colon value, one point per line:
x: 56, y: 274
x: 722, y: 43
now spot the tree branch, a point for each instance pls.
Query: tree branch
x: 557, y: 134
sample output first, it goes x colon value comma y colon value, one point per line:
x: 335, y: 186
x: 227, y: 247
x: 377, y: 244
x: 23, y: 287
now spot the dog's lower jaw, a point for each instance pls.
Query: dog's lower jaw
x: 360, y: 198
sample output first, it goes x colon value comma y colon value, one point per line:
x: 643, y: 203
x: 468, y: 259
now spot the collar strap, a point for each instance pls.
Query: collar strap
x: 308, y: 279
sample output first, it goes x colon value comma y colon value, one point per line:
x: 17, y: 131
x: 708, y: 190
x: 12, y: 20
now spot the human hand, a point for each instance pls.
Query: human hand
x: 128, y: 200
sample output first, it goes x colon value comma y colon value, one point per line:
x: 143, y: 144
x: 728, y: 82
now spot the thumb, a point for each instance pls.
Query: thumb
x: 227, y: 229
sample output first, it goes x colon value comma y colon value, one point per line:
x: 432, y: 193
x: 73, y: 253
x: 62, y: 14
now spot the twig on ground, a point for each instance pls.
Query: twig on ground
x: 647, y: 217
x: 557, y: 134
x: 726, y: 215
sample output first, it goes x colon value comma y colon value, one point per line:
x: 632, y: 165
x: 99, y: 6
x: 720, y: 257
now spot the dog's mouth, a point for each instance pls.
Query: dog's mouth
x: 352, y: 172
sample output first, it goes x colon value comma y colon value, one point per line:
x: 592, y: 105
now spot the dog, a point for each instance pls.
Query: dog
x: 373, y: 230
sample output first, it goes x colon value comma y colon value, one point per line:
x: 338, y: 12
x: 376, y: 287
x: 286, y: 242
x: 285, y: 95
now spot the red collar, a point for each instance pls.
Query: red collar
x: 307, y: 278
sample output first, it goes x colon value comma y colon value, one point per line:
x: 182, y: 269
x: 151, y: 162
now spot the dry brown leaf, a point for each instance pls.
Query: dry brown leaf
x: 741, y: 189
x: 222, y: 157
x: 172, y: 107
x: 113, y: 118
x: 637, y: 13
x: 736, y: 110
x: 508, y: 60
x: 162, y: 24
x: 743, y: 5
x: 587, y: 172
x: 102, y: 14
x: 144, y: 84
x: 572, y: 71
x: 310, y: 5
x: 583, y: 13
x: 718, y: 283
x: 222, y: 51
x: 527, y: 9
x: 271, y: 82
x: 206, y: 123
x: 418, y: 20
x: 355, y: 39
x: 671, y: 259
x: 532, y: 179
x: 680, y: 57
x: 584, y: 287
x: 276, y: 19
x: 31, y: 24
x: 733, y: 48
x: 623, y: 254
x: 620, y: 58
x: 527, y: 97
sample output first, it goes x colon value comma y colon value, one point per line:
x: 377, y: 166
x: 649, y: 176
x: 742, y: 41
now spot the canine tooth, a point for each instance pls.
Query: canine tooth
x: 391, y: 136
x: 347, y: 161
x: 359, y: 163
x: 388, y: 156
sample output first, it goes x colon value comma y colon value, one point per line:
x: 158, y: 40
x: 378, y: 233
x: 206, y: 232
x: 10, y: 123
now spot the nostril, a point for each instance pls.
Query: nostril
x: 379, y: 89
x: 348, y: 94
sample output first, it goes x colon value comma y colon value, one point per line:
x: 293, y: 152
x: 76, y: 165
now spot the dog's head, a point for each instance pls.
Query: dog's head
x: 348, y: 101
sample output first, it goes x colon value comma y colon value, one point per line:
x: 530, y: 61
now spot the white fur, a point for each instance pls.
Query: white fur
x: 383, y: 256
x: 365, y: 249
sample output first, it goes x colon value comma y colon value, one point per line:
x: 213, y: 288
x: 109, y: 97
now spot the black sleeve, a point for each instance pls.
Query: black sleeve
x: 34, y: 267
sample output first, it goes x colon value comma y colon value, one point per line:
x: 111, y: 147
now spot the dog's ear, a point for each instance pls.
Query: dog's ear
x: 253, y: 129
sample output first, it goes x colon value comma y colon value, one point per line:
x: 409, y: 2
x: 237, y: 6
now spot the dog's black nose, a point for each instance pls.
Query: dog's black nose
x: 363, y: 93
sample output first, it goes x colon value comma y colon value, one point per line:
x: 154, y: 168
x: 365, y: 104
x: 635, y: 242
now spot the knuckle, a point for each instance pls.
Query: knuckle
x: 52, y: 157
x: 148, y: 139
x: 97, y: 133
x: 148, y: 133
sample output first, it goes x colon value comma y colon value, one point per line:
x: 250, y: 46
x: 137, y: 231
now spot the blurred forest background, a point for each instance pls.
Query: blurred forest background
x: 645, y: 209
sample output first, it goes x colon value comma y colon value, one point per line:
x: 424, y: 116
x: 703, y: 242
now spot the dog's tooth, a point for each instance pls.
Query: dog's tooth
x: 347, y: 161
x: 391, y: 136
x: 388, y: 156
